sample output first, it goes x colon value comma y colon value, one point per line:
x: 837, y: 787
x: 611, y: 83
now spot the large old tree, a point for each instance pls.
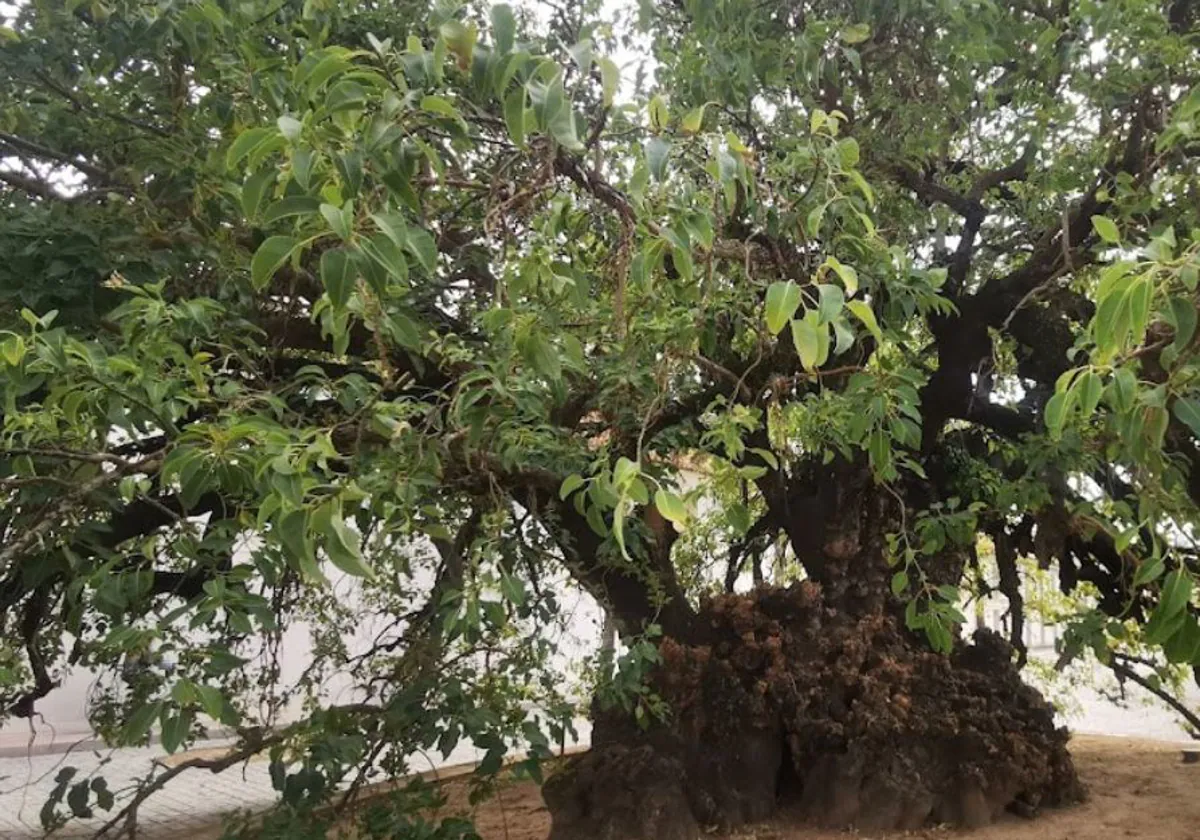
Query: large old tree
x: 660, y: 299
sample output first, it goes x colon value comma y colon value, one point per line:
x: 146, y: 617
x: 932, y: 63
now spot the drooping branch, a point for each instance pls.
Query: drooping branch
x: 1122, y: 666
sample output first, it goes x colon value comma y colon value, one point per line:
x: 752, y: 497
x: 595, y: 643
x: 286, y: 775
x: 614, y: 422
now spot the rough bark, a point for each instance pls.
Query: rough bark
x: 782, y: 700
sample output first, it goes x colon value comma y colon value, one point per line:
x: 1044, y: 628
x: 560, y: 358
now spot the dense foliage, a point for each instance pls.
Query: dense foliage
x: 447, y: 300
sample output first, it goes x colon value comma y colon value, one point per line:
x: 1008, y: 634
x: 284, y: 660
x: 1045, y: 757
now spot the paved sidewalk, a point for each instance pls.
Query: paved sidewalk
x: 190, y: 801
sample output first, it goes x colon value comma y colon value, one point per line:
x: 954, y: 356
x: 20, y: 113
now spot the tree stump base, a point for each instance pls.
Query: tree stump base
x: 783, y: 704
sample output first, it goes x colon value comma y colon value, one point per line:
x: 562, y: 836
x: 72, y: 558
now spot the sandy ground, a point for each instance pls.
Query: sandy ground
x: 1138, y: 789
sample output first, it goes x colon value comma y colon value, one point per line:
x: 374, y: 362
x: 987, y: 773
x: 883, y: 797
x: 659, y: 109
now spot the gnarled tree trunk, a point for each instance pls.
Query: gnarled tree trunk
x: 815, y: 700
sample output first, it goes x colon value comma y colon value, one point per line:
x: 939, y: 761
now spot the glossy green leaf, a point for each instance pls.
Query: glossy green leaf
x: 783, y: 299
x: 271, y: 254
x: 569, y: 485
x: 338, y: 276
x: 1106, y: 228
x: 514, y: 115
x: 341, y: 545
x: 1187, y: 411
x: 863, y: 312
x: 245, y: 143
x: 670, y: 506
x: 421, y: 245
x: 692, y: 121
x: 831, y: 301
x: 808, y: 345
x: 300, y: 205
x: 856, y: 33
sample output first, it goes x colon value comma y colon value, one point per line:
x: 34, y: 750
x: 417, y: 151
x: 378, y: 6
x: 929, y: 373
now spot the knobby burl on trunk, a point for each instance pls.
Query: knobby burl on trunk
x: 815, y: 701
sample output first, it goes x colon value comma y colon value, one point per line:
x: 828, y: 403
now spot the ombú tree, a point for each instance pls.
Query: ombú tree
x: 448, y: 301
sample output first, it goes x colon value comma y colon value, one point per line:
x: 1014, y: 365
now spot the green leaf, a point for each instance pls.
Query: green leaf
x: 504, y: 28
x: 1139, y: 306
x: 899, y: 583
x: 569, y: 485
x: 1089, y: 388
x: 843, y: 335
x: 1124, y: 387
x: 582, y: 52
x: 659, y: 115
x: 1106, y: 228
x: 350, y: 169
x: 322, y: 72
x: 460, y: 40
x: 1057, y: 408
x: 560, y: 116
x: 1183, y: 314
x: 175, y: 729
x: 595, y: 521
x: 1187, y: 411
x: 441, y: 106
x: 625, y: 471
x: 1148, y: 571
x: 139, y: 723
x: 1176, y: 592
x: 212, y: 701
x: 846, y: 274
x: 295, y: 535
x: 1182, y: 647
x: 338, y: 276
x: 338, y: 219
x: 297, y: 205
x: 848, y: 152
x: 512, y: 589
x: 692, y: 121
x: 856, y: 33
x: 537, y: 350
x: 421, y: 245
x: 808, y: 345
x: 341, y: 545
x: 783, y: 299
x: 514, y: 115
x: 863, y: 312
x: 657, y: 151
x: 245, y: 143
x: 271, y: 254
x: 1189, y: 275
x: 290, y: 127
x: 394, y: 226
x: 832, y: 299
x: 670, y: 506
x: 383, y: 251
x: 1167, y: 615
x: 610, y: 78
x: 254, y: 189
x: 13, y: 350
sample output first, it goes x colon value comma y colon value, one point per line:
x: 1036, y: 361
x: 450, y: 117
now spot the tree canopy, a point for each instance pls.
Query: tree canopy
x: 447, y: 300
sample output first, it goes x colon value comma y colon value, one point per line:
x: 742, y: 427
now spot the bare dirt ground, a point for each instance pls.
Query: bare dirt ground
x: 1138, y: 789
